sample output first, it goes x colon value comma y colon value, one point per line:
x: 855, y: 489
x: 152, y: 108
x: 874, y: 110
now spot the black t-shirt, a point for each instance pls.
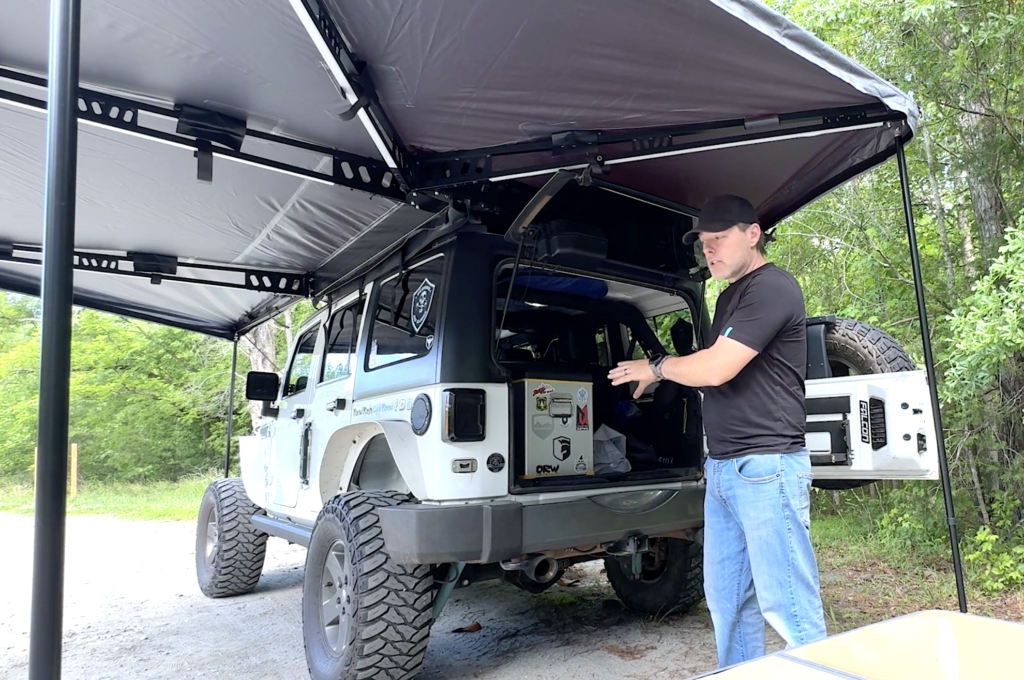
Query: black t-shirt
x: 762, y: 409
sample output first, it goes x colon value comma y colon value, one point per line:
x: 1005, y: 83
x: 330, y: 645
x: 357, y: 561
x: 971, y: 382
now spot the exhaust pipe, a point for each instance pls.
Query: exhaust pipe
x: 539, y: 568
x: 542, y: 569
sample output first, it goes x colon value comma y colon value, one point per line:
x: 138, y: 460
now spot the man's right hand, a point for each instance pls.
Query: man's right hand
x: 638, y: 371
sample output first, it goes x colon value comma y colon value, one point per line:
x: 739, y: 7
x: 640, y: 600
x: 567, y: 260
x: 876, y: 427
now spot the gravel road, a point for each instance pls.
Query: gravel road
x: 133, y: 610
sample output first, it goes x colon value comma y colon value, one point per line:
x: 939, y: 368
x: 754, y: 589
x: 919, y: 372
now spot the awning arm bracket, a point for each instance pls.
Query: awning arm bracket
x: 209, y: 134
x: 159, y: 268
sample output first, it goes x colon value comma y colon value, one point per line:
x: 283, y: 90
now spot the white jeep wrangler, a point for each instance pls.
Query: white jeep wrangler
x: 447, y: 419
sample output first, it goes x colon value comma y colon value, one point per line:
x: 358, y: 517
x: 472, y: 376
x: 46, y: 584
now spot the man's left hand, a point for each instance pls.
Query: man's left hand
x: 633, y: 371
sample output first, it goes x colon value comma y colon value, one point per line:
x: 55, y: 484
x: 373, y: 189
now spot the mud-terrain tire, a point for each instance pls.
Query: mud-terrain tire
x: 364, y: 616
x: 856, y: 348
x: 672, y: 581
x: 229, y: 551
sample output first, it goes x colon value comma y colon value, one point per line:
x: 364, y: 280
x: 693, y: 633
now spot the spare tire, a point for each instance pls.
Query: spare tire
x: 856, y: 348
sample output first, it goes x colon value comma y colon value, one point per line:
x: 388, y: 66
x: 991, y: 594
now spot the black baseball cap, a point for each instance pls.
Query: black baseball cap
x: 721, y: 213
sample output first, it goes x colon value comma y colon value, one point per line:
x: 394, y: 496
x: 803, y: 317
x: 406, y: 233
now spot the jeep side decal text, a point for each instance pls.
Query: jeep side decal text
x: 381, y: 409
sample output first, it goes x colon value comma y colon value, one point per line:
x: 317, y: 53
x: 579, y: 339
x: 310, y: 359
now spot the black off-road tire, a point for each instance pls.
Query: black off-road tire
x: 673, y: 587
x: 856, y: 348
x: 387, y: 607
x: 229, y: 551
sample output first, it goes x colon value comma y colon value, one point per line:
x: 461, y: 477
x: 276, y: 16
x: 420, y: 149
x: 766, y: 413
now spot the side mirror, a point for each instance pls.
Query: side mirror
x: 261, y: 386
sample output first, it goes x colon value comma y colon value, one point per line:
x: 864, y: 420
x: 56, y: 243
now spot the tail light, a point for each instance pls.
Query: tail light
x: 463, y: 415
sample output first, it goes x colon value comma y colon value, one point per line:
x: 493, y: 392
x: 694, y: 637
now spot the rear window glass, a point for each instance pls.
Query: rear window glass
x: 341, y: 343
x: 405, y: 319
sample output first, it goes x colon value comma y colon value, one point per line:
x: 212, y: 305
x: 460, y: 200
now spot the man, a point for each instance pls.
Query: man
x: 758, y: 561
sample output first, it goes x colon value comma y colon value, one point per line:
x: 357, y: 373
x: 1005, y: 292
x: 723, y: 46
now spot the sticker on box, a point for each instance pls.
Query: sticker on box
x: 543, y: 388
x: 582, y: 418
x: 562, y: 448
x: 542, y: 425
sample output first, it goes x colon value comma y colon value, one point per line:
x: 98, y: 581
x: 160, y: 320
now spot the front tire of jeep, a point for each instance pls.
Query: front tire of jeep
x: 229, y: 550
x: 363, y: 615
x: 671, y: 580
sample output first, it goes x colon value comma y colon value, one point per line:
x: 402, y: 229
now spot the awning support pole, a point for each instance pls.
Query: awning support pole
x: 231, y: 409
x: 46, y: 634
x: 929, y: 361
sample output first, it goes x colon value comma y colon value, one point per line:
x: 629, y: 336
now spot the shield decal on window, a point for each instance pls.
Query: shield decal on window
x: 421, y: 301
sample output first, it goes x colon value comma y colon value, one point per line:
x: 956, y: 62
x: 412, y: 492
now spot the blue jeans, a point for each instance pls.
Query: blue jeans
x: 758, y: 561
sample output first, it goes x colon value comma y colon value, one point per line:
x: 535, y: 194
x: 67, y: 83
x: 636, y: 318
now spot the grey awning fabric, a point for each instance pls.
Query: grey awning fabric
x: 253, y: 58
x: 135, y: 195
x: 450, y: 76
x: 461, y: 74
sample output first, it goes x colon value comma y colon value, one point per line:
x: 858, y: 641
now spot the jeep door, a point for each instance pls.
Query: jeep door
x: 292, y: 429
x: 331, y: 407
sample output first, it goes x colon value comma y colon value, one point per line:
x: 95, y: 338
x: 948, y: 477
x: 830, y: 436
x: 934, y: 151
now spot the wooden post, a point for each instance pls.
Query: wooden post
x: 74, y: 470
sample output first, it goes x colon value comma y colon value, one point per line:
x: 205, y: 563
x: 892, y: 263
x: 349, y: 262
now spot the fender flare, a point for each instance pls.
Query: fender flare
x: 348, y: 447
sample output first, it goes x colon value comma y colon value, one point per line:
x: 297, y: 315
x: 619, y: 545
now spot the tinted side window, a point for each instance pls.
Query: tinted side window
x: 406, y: 316
x: 342, y: 336
x: 302, y: 362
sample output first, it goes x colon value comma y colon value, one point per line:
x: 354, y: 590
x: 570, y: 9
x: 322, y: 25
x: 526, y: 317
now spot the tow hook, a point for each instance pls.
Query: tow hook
x: 633, y: 547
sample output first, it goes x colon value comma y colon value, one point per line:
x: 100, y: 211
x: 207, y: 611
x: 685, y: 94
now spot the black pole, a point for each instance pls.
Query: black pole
x: 929, y: 362
x: 44, y: 660
x: 231, y: 409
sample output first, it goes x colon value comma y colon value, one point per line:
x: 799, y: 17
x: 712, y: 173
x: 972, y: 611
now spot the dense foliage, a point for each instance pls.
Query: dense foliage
x: 962, y: 62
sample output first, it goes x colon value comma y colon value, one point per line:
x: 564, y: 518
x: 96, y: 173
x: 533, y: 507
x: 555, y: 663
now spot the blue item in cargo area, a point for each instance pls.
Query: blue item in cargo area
x: 559, y: 283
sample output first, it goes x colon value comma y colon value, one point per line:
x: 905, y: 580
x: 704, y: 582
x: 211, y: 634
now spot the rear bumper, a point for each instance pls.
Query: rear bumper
x: 490, y: 532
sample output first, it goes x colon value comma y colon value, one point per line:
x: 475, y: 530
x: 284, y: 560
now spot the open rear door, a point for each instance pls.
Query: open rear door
x: 869, y: 427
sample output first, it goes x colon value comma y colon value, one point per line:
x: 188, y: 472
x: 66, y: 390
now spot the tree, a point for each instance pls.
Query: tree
x: 962, y: 62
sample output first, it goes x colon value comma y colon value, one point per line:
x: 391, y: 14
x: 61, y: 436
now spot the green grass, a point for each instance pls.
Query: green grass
x: 866, y: 579
x: 153, y: 501
x: 846, y: 540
